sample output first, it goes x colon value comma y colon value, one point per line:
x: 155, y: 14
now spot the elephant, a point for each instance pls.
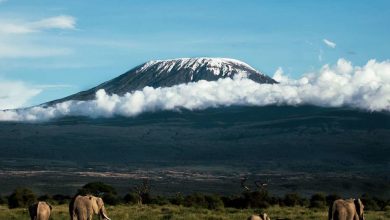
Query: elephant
x: 350, y: 209
x: 259, y: 217
x: 84, y: 207
x: 40, y: 211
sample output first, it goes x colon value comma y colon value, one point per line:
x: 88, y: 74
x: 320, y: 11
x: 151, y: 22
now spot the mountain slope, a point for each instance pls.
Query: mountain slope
x: 165, y: 73
x: 302, y: 149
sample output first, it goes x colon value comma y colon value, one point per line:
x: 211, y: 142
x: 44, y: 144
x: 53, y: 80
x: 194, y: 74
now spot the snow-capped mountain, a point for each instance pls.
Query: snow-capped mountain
x: 165, y: 73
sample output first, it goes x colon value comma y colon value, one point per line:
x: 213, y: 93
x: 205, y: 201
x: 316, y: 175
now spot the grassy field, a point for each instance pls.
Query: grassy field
x: 124, y: 212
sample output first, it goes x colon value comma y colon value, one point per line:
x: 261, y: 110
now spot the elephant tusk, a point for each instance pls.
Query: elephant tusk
x: 106, y: 217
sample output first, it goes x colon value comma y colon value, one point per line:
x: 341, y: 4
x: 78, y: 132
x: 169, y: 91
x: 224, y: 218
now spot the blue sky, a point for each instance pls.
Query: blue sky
x: 56, y: 48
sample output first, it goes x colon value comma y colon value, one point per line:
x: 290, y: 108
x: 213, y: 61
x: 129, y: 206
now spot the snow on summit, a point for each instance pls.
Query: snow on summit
x: 223, y: 66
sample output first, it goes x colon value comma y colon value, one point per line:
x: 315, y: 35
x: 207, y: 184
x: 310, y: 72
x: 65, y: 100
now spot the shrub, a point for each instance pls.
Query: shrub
x: 146, y: 198
x: 61, y: 199
x: 21, y: 197
x: 2, y: 200
x: 237, y: 202
x: 111, y: 199
x: 257, y: 199
x: 131, y: 198
x: 160, y: 200
x: 177, y: 200
x: 195, y: 200
x: 318, y: 200
x: 214, y: 202
x: 44, y: 198
x: 293, y: 199
x: 203, y: 201
x: 370, y: 203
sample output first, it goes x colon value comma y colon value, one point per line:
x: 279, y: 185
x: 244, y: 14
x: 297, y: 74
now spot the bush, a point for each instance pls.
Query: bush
x: 146, y: 198
x: 293, y: 199
x: 237, y: 202
x: 257, y: 199
x: 177, y: 200
x: 136, y: 198
x: 44, y: 198
x: 61, y: 199
x: 214, y: 202
x: 318, y: 200
x: 203, y: 201
x: 131, y: 198
x: 160, y: 200
x: 195, y: 200
x: 370, y: 203
x: 111, y: 199
x: 2, y: 200
x: 21, y: 197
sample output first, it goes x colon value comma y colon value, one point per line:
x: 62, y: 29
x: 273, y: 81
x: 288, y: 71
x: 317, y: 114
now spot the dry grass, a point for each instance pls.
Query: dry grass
x: 151, y: 212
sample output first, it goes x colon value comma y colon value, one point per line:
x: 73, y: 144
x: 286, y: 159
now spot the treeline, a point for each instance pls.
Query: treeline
x: 141, y: 194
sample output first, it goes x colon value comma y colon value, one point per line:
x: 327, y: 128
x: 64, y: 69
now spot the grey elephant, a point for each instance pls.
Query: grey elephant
x: 40, y: 211
x: 350, y: 209
x: 84, y: 207
x: 259, y: 217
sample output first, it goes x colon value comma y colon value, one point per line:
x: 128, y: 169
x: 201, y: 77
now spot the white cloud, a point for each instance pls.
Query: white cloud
x: 279, y: 76
x: 58, y: 22
x: 366, y: 88
x: 8, y: 28
x: 16, y: 43
x: 27, y: 50
x: 329, y: 43
x: 14, y: 94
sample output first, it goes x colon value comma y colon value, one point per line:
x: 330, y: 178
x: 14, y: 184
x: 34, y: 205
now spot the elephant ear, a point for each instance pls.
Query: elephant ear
x: 359, y: 207
x: 95, y: 206
x: 99, y: 202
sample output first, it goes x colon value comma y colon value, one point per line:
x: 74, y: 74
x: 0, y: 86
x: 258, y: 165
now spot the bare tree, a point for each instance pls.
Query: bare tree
x: 142, y: 190
x: 243, y: 185
x: 262, y: 185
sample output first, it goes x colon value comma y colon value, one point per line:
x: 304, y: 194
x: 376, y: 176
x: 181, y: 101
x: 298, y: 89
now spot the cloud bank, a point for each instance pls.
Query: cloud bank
x: 366, y: 88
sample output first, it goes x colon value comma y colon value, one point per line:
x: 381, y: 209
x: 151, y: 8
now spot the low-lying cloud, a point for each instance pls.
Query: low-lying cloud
x: 366, y: 88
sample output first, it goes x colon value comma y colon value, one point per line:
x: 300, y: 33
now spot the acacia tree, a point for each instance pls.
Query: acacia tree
x: 107, y: 192
x: 21, y: 197
x: 143, y: 191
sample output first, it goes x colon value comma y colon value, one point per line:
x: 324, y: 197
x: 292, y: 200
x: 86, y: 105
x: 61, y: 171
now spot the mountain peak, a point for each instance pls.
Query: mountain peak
x: 166, y: 73
x: 218, y: 66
